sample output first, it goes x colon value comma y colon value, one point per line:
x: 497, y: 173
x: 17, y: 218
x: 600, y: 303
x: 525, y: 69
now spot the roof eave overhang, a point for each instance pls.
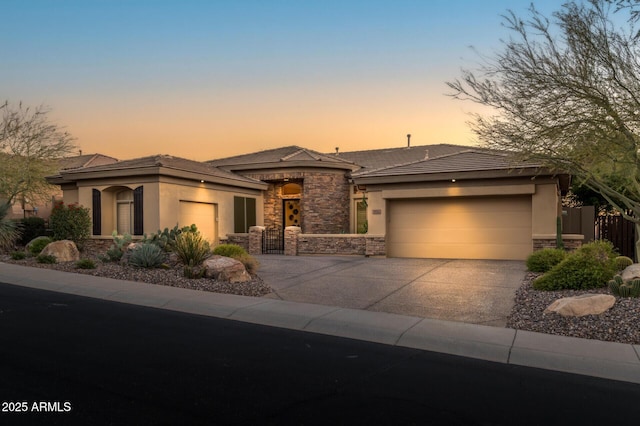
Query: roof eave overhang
x: 459, y: 175
x: 78, y: 175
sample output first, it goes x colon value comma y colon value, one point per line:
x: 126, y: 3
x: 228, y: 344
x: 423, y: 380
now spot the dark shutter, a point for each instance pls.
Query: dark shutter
x: 96, y: 212
x: 138, y: 212
x: 238, y: 215
x: 250, y: 213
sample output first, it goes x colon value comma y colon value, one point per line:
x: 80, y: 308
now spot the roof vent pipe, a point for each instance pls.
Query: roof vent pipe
x: 409, y: 140
x: 337, y: 149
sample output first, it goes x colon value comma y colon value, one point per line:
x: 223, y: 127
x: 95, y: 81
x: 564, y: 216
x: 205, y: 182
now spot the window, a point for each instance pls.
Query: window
x: 124, y: 202
x: 244, y: 214
x: 362, y: 225
x: 291, y: 189
x: 129, y: 211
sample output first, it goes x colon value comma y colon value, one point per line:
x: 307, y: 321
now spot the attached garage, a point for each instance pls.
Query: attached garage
x: 203, y: 215
x: 487, y: 227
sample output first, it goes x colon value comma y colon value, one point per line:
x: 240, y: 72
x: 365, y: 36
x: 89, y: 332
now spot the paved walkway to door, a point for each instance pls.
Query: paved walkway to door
x: 471, y: 291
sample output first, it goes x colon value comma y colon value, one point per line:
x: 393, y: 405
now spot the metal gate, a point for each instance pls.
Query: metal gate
x: 273, y: 241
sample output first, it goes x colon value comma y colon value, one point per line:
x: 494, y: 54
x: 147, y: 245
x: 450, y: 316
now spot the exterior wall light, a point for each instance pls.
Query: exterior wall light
x: 453, y: 180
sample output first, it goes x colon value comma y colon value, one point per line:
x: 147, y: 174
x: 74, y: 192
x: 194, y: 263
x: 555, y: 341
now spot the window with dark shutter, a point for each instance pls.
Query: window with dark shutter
x: 138, y: 216
x: 244, y: 214
x: 96, y: 212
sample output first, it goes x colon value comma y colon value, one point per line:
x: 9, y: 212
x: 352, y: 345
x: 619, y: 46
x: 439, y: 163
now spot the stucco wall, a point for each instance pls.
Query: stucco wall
x: 161, y: 202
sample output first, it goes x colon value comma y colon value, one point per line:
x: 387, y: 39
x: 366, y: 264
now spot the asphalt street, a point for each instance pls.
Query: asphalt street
x: 98, y: 362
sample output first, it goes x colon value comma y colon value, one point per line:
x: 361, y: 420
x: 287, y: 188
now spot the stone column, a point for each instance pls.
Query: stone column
x: 291, y: 240
x: 255, y: 239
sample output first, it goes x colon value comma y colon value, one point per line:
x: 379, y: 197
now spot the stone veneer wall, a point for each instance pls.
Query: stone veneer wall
x: 570, y: 242
x: 324, y: 201
x: 337, y: 244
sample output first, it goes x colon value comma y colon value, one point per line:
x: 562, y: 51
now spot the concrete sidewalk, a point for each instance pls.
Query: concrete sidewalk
x: 579, y: 356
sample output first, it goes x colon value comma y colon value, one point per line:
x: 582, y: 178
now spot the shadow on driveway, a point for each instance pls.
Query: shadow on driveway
x: 471, y: 291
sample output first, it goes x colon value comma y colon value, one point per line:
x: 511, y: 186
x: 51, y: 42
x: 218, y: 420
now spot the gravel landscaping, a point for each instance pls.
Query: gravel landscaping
x: 619, y: 324
x: 173, y: 276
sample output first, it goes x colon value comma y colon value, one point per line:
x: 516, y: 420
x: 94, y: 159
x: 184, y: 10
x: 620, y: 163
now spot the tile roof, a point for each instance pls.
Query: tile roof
x: 86, y: 160
x: 463, y: 161
x: 166, y: 161
x: 387, y: 157
x: 291, y: 153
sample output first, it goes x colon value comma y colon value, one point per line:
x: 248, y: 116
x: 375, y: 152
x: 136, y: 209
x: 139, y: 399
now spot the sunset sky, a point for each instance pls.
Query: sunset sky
x: 210, y: 79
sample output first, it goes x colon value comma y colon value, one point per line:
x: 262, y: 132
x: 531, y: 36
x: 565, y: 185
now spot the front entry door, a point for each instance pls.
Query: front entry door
x: 292, y: 213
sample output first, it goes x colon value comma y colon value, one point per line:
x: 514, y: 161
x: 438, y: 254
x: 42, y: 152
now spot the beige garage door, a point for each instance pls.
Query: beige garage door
x: 460, y: 228
x: 203, y: 215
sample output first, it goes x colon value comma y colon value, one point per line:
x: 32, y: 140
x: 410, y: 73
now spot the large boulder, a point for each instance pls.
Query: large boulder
x: 63, y: 251
x: 224, y: 268
x: 631, y: 272
x: 585, y: 304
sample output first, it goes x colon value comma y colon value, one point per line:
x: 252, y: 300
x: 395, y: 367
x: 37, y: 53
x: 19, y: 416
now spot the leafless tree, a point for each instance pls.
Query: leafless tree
x: 30, y: 146
x: 565, y: 91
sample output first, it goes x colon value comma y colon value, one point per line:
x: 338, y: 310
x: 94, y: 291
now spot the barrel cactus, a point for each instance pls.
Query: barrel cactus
x: 622, y: 289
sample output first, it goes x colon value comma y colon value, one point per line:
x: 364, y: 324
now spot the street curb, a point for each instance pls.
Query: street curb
x: 608, y: 360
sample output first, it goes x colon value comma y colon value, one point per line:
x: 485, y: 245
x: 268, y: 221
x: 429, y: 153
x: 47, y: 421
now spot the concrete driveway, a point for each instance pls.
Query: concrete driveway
x: 471, y: 291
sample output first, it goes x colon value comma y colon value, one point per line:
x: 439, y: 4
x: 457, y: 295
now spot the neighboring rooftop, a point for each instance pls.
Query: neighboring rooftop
x: 86, y: 160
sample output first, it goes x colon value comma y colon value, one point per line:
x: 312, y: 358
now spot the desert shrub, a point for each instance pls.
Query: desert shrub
x: 250, y: 263
x: 590, y: 266
x: 18, y: 255
x: 46, y: 258
x: 35, y: 246
x: 9, y: 229
x: 545, y: 259
x: 622, y: 262
x: 85, y: 264
x: 71, y: 222
x: 229, y: 250
x: 192, y: 249
x: 147, y: 256
x: 31, y: 227
x: 116, y: 251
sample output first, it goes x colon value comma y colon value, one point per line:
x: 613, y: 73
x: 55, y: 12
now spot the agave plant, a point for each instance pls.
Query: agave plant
x: 9, y: 230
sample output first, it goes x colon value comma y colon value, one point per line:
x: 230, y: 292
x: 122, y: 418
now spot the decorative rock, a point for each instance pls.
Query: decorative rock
x: 631, y: 272
x: 63, y: 251
x: 585, y: 304
x: 224, y: 268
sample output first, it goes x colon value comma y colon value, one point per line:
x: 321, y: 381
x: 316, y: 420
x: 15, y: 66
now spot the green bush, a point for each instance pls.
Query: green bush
x: 35, y: 246
x: 18, y: 255
x: 147, y: 256
x: 46, y: 258
x: 192, y: 249
x: 250, y: 263
x: 622, y: 262
x: 590, y: 266
x: 229, y: 250
x: 31, y: 228
x: 71, y: 222
x: 545, y: 259
x: 85, y: 264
